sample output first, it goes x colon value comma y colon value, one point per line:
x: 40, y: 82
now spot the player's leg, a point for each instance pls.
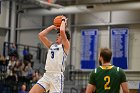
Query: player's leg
x: 57, y: 83
x: 37, y: 89
x: 41, y: 86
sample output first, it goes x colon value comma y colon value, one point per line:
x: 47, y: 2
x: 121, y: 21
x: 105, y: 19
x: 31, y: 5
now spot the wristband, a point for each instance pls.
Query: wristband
x: 63, y: 20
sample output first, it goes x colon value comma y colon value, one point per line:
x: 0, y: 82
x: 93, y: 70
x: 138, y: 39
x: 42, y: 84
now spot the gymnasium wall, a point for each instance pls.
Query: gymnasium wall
x: 101, y: 21
x: 29, y: 27
x: 125, y: 16
x: 134, y: 44
x: 3, y: 23
x: 28, y: 32
x: 4, y: 14
x: 2, y: 38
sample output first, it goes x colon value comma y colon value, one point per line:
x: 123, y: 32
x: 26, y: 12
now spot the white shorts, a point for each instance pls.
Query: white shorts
x: 53, y: 82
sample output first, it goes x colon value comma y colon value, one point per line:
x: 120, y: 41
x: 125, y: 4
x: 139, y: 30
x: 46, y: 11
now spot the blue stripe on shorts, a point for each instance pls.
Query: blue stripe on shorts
x: 41, y: 86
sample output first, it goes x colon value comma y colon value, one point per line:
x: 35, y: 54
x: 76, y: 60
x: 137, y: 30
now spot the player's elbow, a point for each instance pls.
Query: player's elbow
x: 125, y: 87
x: 39, y: 35
x: 126, y: 91
x: 90, y: 88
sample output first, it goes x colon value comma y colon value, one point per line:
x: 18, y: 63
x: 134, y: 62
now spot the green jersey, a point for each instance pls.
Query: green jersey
x: 107, y: 79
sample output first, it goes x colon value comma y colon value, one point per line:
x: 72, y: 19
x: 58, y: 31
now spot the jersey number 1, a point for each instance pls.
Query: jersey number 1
x: 107, y: 79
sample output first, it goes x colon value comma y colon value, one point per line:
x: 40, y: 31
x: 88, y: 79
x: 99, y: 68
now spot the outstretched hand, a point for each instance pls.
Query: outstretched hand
x: 63, y: 17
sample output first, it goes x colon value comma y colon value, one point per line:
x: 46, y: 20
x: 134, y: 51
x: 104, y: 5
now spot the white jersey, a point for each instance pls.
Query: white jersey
x: 56, y: 58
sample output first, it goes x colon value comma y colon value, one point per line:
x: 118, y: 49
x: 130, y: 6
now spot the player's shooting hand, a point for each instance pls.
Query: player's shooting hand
x: 52, y: 26
x: 56, y: 28
x: 64, y: 18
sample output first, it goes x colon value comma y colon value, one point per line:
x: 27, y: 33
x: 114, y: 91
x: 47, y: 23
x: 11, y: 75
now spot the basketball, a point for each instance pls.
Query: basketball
x: 57, y: 21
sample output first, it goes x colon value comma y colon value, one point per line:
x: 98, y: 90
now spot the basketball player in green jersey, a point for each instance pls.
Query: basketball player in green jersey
x: 107, y: 78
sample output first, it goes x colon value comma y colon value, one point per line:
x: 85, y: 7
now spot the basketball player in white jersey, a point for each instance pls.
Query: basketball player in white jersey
x: 53, y: 79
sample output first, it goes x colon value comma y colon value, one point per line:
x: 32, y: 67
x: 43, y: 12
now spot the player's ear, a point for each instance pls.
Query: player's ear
x: 100, y: 63
x: 100, y: 60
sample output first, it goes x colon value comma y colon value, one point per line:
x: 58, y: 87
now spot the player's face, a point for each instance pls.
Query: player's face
x: 58, y: 39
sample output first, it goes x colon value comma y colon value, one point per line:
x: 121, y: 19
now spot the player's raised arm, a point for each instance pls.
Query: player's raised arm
x: 63, y: 33
x: 43, y: 38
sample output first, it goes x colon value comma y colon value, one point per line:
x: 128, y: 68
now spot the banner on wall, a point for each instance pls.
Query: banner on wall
x: 119, y: 46
x: 89, y: 48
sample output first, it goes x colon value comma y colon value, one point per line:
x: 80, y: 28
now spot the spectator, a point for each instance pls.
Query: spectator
x: 23, y: 89
x: 35, y: 77
x: 22, y: 67
x: 30, y: 70
x: 25, y: 52
x: 3, y: 64
x: 2, y: 58
x: 13, y: 51
x: 27, y: 72
x: 10, y: 66
x: 16, y: 68
x: 27, y: 56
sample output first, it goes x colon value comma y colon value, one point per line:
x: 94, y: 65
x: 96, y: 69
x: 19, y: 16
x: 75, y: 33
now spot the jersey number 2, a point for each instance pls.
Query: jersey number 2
x: 107, y: 79
x: 52, y: 56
